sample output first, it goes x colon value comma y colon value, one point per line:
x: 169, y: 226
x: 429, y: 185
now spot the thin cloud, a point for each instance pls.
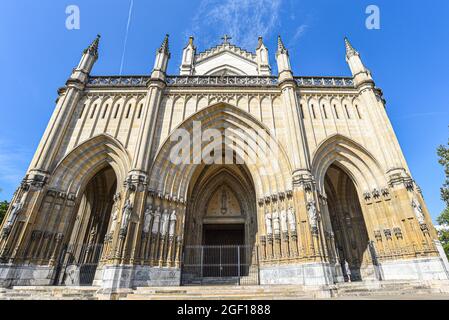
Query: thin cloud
x: 244, y: 20
x: 300, y: 31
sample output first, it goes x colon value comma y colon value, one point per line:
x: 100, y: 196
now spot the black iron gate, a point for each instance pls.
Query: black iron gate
x: 78, y: 265
x: 208, y: 265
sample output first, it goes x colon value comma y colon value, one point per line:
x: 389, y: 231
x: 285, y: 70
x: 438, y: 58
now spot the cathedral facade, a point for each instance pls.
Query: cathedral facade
x: 222, y: 172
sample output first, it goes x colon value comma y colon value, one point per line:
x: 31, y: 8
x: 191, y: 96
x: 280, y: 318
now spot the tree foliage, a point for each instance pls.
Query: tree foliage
x: 443, y: 219
x: 3, y: 208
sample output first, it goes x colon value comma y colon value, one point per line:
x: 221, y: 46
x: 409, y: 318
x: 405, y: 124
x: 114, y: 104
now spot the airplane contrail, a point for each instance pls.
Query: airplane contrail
x: 126, y: 35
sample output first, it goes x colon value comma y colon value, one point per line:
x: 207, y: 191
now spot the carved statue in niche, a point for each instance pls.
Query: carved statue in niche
x: 276, y: 223
x: 172, y: 228
x: 291, y: 217
x: 418, y: 211
x: 148, y: 218
x: 313, y: 215
x: 92, y: 235
x: 114, y: 215
x: 127, y: 211
x: 268, y: 225
x: 165, y: 222
x: 16, y: 209
x: 157, y: 219
x: 284, y: 226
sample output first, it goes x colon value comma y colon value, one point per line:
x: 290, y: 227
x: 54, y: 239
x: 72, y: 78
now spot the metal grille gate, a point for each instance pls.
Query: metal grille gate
x: 208, y: 265
x: 78, y: 264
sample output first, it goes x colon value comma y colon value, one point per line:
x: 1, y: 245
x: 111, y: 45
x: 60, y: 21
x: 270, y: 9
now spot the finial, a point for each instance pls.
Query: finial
x: 350, y: 51
x: 281, y: 47
x: 93, y: 48
x: 260, y: 42
x: 226, y: 39
x: 191, y: 40
x: 164, y: 46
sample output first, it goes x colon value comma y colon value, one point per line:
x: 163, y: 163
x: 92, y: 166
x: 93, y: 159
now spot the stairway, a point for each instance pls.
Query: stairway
x: 220, y: 292
x: 49, y: 293
x: 343, y: 291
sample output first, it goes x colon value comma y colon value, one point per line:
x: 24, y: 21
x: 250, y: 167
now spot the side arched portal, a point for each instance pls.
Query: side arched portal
x: 348, y: 224
x: 344, y: 172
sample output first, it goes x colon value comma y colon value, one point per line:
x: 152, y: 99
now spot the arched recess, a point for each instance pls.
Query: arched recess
x: 225, y: 70
x: 344, y: 170
x: 76, y: 169
x: 228, y: 182
x: 365, y: 171
x: 221, y: 219
x: 91, y: 174
x: 261, y: 153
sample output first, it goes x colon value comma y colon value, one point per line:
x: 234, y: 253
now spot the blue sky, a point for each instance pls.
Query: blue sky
x: 408, y: 56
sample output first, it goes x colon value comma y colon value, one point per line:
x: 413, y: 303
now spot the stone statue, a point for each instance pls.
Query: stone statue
x: 418, y: 211
x: 291, y: 217
x: 157, y: 219
x: 284, y: 226
x: 347, y: 270
x: 268, y: 224
x: 165, y: 222
x: 114, y: 217
x: 16, y: 209
x: 92, y: 236
x: 127, y: 211
x: 172, y: 228
x: 276, y: 225
x: 313, y: 216
x: 148, y: 218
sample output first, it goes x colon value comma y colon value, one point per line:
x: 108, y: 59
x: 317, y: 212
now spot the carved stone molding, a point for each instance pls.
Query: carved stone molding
x: 35, y: 181
x: 376, y: 193
x: 304, y: 181
x: 387, y: 233
x: 398, y: 232
x: 378, y: 235
x: 136, y: 182
x: 424, y: 227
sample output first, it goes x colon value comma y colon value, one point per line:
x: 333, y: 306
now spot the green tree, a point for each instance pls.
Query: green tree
x: 3, y: 208
x: 443, y: 219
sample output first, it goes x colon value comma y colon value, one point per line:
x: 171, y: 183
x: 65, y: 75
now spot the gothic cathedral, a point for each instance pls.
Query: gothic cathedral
x: 222, y: 173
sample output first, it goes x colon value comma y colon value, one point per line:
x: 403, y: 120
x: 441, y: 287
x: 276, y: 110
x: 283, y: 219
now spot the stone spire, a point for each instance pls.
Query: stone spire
x: 161, y: 61
x: 350, y: 51
x: 259, y: 42
x: 90, y: 56
x: 188, y: 59
x: 93, y: 48
x: 263, y: 63
x: 281, y: 46
x: 283, y: 61
x: 164, y: 46
x: 360, y: 73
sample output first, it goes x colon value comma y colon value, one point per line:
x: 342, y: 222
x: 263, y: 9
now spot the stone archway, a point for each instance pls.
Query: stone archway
x: 348, y: 225
x: 344, y: 170
x: 87, y: 233
x: 221, y: 223
x: 221, y: 195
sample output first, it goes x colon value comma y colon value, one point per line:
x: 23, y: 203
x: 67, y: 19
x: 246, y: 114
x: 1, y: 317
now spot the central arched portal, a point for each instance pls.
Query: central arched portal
x: 221, y: 225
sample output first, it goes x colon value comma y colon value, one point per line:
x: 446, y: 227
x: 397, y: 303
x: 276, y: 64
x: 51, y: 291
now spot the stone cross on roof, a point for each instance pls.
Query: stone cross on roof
x: 226, y: 38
